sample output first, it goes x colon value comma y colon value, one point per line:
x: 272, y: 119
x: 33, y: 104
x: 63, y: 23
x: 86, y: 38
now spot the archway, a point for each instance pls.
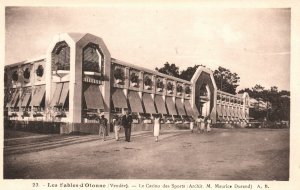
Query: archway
x: 204, y: 100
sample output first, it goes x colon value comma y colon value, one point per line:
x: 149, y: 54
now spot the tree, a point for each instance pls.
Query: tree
x: 278, y: 101
x: 169, y: 69
x: 189, y: 72
x: 226, y: 80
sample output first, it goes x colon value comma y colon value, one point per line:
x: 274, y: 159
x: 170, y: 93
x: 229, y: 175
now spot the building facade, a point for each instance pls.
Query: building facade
x: 78, y: 79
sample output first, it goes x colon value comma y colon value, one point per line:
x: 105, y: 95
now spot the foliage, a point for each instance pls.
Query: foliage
x: 189, y: 72
x: 148, y: 81
x: 159, y: 83
x: 170, y: 86
x: 226, y: 80
x: 26, y: 73
x: 279, y: 100
x: 187, y: 90
x: 169, y: 69
x: 119, y: 74
x: 179, y: 88
x: 40, y: 71
x: 134, y: 78
x: 15, y: 76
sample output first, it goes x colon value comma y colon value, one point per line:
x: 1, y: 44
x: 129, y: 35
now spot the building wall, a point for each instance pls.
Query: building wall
x: 133, y: 78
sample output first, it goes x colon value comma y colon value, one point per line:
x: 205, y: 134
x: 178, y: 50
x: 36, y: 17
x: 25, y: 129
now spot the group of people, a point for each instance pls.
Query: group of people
x: 203, y: 124
x: 124, y: 121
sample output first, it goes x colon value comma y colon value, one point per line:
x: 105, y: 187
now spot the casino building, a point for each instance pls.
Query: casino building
x: 78, y: 79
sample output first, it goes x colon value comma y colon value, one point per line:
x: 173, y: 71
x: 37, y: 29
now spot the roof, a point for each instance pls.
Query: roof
x: 149, y: 71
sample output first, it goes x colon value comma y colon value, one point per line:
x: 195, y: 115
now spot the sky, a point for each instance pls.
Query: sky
x: 254, y: 43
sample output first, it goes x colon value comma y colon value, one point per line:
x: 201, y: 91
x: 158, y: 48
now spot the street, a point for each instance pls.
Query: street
x: 224, y: 154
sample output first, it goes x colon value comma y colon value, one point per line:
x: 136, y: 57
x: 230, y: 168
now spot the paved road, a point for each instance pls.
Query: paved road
x: 225, y: 154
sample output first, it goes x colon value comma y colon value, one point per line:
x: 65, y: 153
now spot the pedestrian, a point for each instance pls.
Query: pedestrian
x: 156, y: 128
x: 208, y: 124
x: 202, y: 125
x: 198, y: 123
x: 192, y: 125
x: 117, y: 122
x: 102, y: 126
x: 126, y: 122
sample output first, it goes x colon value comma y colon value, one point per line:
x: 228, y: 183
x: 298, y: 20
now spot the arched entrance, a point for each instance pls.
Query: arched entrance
x: 204, y: 100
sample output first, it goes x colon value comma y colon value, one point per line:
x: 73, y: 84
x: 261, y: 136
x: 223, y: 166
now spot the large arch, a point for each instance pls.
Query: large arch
x: 203, y: 78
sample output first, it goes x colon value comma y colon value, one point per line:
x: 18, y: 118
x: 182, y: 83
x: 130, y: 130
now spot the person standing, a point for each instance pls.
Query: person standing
x: 208, y: 124
x: 202, y: 125
x: 192, y: 125
x: 198, y: 123
x: 102, y: 126
x: 156, y: 128
x: 117, y: 126
x: 127, y: 121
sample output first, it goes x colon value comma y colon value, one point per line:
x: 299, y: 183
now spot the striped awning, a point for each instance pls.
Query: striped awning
x: 93, y: 97
x: 160, y: 104
x: 219, y: 111
x: 180, y: 107
x: 231, y: 112
x: 38, y: 95
x: 25, y: 97
x: 148, y: 103
x: 171, y: 106
x: 135, y: 102
x: 227, y: 110
x: 60, y: 94
x: 55, y: 98
x: 234, y: 112
x: 188, y: 108
x: 196, y: 111
x: 13, y: 96
x: 240, y: 113
x: 119, y: 99
x: 224, y: 113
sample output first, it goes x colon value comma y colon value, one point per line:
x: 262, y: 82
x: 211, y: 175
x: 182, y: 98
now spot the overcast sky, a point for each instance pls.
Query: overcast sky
x: 254, y: 43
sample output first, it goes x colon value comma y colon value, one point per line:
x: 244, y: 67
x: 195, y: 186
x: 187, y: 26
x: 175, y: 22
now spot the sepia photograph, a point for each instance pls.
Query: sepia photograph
x: 147, y: 93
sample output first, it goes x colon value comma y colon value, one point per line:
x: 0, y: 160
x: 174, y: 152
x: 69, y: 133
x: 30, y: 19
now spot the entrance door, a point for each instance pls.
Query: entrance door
x: 204, y: 100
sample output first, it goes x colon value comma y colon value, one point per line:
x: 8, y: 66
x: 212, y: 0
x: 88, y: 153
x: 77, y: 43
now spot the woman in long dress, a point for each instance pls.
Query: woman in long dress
x: 156, y: 128
x: 208, y: 125
x: 202, y: 125
x: 192, y: 125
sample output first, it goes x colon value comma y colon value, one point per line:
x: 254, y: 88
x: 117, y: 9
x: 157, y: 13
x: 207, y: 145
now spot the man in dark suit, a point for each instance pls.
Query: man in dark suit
x: 126, y: 122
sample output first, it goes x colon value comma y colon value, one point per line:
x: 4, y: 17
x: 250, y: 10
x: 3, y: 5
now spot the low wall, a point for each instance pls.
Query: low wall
x: 77, y: 128
x: 34, y: 126
x: 93, y: 128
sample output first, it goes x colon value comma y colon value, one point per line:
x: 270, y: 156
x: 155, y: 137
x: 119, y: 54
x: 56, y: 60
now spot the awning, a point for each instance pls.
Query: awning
x: 14, y: 93
x: 219, y: 111
x: 160, y: 104
x: 224, y: 113
x: 231, y: 112
x: 25, y: 97
x: 119, y: 99
x: 135, y: 102
x: 64, y: 94
x: 180, y: 107
x: 38, y: 95
x: 240, y: 113
x: 171, y: 106
x: 55, y: 98
x: 15, y: 100
x: 148, y: 103
x: 234, y: 111
x: 196, y: 111
x: 227, y: 110
x: 188, y: 108
x: 93, y: 97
